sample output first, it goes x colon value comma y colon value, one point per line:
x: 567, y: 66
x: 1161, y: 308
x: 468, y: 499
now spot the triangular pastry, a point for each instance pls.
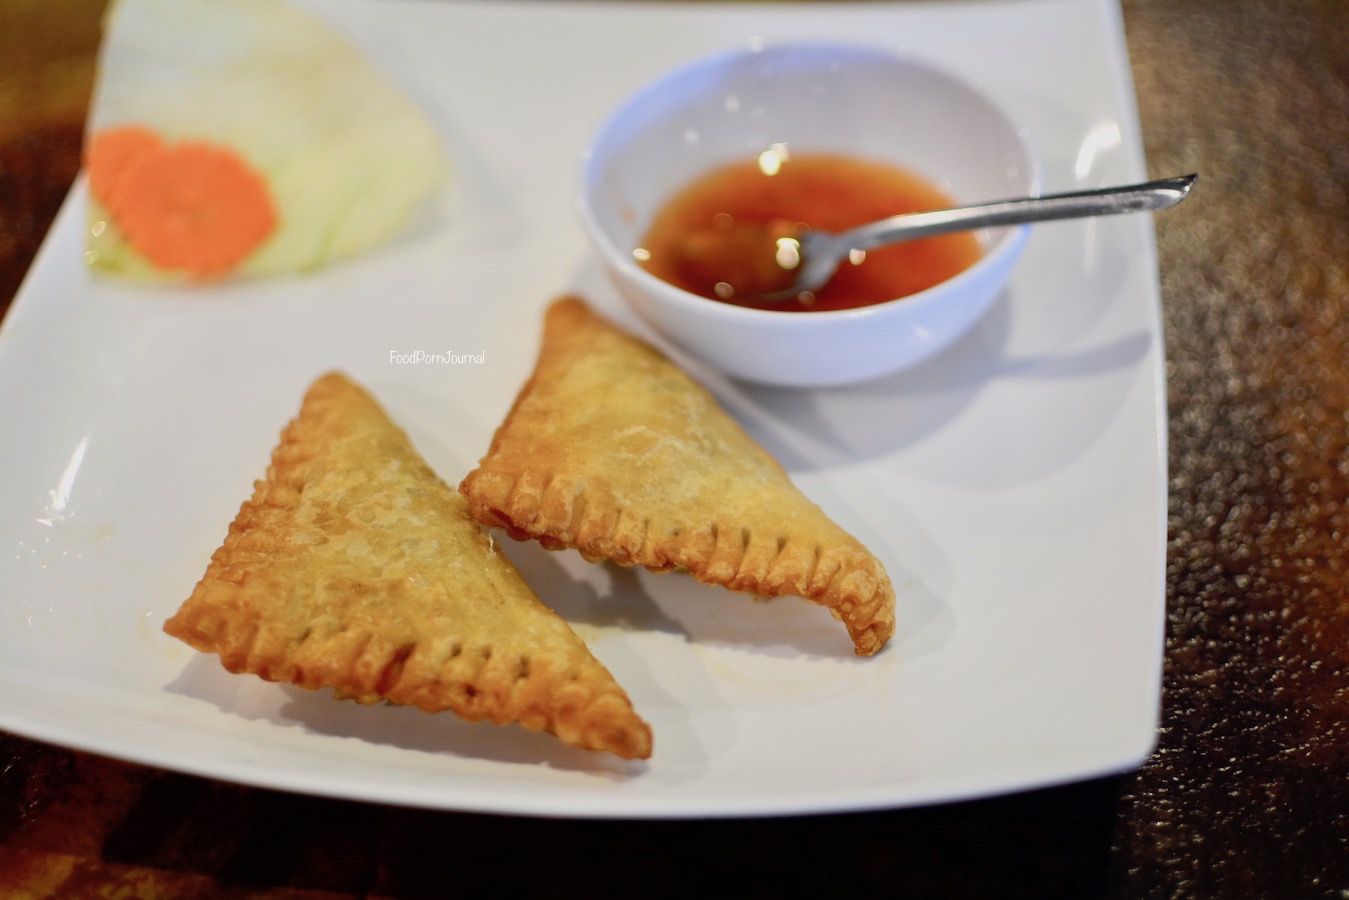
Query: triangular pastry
x: 355, y: 567
x: 614, y: 450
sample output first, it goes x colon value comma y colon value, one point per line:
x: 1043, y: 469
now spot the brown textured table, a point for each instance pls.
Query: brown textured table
x: 1248, y: 792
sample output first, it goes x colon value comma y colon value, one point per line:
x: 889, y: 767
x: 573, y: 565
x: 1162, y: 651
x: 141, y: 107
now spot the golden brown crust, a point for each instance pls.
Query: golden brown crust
x: 355, y: 567
x: 614, y: 450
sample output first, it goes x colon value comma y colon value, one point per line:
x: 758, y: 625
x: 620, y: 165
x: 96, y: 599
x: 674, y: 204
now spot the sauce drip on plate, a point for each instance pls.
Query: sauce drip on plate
x: 719, y: 236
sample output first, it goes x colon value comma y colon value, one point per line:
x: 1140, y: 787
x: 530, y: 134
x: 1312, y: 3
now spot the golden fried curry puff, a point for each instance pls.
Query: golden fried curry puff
x: 614, y: 450
x: 353, y: 566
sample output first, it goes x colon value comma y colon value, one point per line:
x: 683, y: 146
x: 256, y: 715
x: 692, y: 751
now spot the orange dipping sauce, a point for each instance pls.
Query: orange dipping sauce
x: 714, y: 238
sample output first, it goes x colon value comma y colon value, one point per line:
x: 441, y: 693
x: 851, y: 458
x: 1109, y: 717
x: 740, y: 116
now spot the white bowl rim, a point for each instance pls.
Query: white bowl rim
x: 1009, y: 242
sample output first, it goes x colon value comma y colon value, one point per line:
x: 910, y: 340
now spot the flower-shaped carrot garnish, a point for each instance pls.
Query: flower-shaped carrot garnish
x: 190, y: 206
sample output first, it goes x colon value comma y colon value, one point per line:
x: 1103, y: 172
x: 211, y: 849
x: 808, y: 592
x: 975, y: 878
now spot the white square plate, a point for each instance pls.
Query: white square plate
x: 1015, y: 486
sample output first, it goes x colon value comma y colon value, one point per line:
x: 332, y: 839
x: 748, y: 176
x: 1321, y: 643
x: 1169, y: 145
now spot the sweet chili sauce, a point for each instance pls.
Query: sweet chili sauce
x: 715, y: 237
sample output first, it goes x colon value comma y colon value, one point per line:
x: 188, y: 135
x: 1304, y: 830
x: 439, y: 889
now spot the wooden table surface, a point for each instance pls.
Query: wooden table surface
x: 1247, y: 794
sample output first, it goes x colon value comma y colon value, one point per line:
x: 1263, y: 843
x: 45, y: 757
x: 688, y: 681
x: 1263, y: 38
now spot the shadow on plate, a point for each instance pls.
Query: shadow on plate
x: 816, y: 429
x: 633, y: 600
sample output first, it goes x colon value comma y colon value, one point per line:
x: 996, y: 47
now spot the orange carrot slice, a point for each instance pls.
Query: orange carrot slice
x: 193, y: 206
x: 112, y: 153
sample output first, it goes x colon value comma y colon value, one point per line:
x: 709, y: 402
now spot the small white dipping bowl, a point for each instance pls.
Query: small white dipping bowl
x: 836, y: 98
